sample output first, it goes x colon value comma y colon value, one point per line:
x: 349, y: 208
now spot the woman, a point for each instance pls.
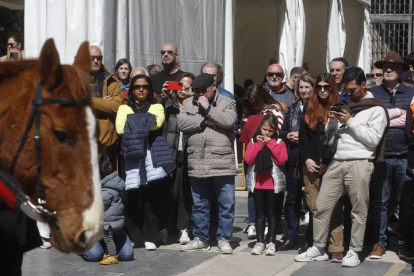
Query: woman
x: 123, y: 70
x: 255, y: 101
x: 290, y: 134
x: 141, y: 101
x: 315, y: 116
x: 183, y: 201
x: 14, y: 43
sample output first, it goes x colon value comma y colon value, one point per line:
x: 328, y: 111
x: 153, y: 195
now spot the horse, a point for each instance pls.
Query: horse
x: 60, y: 169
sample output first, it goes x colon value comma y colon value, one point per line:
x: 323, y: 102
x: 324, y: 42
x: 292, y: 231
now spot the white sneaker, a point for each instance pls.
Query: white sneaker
x: 270, y: 249
x: 251, y: 232
x: 224, y: 247
x: 258, y: 248
x: 306, y: 219
x: 150, y: 246
x: 46, y: 244
x: 194, y: 245
x: 312, y: 254
x: 184, y: 239
x: 351, y: 259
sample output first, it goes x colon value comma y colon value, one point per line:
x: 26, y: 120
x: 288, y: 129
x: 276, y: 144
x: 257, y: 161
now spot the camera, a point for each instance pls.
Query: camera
x: 336, y: 108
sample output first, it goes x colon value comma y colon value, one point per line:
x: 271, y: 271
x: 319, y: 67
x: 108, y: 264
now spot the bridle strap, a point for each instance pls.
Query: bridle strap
x: 35, y: 114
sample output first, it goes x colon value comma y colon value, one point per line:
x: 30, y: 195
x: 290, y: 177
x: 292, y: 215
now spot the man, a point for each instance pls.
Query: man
x: 212, y: 68
x: 390, y: 176
x: 337, y: 69
x: 276, y: 88
x: 360, y: 128
x: 295, y: 73
x: 106, y: 99
x: 207, y: 119
x: 153, y: 69
x: 378, y: 75
x: 170, y: 72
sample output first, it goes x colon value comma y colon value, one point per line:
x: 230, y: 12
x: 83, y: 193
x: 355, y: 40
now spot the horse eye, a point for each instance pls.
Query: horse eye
x: 62, y: 136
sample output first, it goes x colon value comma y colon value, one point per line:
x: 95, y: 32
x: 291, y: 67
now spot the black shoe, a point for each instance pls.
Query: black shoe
x: 288, y: 245
x: 304, y: 248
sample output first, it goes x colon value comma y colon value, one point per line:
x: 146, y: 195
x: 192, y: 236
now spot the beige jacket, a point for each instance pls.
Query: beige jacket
x: 210, y: 150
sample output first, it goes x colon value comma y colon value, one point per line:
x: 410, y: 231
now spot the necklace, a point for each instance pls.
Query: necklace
x: 140, y: 105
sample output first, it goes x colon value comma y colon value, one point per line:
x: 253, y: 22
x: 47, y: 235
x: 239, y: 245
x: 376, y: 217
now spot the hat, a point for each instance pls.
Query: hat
x: 392, y: 57
x: 202, y: 81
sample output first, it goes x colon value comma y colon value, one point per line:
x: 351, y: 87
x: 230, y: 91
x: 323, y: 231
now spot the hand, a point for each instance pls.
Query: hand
x: 403, y: 111
x: 260, y: 137
x: 324, y: 167
x: 331, y: 114
x: 210, y: 123
x: 203, y: 102
x: 266, y: 139
x: 311, y: 166
x: 293, y: 136
x: 187, y: 90
x: 107, y: 98
x: 165, y: 92
x: 343, y: 116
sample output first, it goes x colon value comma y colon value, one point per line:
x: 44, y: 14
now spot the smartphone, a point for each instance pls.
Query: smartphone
x: 14, y: 56
x: 175, y: 85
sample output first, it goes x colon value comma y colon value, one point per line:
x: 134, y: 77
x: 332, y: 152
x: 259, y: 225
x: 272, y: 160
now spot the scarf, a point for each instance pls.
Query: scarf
x: 354, y: 108
x: 263, y: 160
x: 124, y: 87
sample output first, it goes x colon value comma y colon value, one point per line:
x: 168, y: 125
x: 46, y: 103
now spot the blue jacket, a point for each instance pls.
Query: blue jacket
x: 395, y: 143
x: 147, y: 155
x: 112, y: 192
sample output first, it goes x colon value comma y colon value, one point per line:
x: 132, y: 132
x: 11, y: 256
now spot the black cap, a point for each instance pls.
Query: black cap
x: 202, y: 81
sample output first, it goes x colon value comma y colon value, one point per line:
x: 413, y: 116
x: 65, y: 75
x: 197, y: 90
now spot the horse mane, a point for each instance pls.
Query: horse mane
x: 78, y: 82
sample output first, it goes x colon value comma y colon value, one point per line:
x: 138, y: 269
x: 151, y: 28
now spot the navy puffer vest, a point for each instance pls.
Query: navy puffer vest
x: 395, y: 143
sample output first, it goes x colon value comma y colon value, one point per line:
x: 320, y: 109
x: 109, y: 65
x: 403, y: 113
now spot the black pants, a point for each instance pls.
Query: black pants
x: 406, y: 221
x: 266, y: 203
x: 183, y: 199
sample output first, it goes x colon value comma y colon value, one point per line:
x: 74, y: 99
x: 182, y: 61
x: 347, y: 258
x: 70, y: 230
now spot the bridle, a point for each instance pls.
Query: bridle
x: 15, y: 196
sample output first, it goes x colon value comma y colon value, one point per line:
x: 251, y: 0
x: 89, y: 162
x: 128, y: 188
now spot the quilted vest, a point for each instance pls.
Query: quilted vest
x: 395, y: 144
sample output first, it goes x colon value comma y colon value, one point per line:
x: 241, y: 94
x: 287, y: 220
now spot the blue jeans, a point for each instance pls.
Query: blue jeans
x: 251, y: 208
x: 392, y: 178
x: 203, y: 190
x: 123, y: 248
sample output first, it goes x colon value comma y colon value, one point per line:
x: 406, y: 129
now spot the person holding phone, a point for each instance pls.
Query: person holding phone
x: 13, y: 43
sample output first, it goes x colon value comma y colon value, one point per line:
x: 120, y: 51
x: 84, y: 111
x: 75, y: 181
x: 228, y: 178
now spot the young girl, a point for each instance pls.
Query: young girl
x: 265, y: 153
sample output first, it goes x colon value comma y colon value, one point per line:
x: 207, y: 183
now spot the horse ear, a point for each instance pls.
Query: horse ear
x: 83, y: 58
x: 49, y: 65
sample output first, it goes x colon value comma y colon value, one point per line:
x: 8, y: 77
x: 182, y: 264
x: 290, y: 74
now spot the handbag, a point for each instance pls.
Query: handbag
x: 330, y: 143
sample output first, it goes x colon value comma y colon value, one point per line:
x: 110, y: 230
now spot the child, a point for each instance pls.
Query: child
x: 265, y: 153
x: 115, y: 238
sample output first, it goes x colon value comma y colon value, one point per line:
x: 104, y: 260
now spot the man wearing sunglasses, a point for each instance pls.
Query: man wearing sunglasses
x: 207, y: 119
x: 279, y: 91
x: 170, y: 72
x: 377, y: 75
x: 390, y: 176
x: 106, y: 99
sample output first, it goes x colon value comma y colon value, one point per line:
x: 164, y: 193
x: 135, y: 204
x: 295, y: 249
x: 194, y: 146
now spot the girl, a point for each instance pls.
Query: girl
x: 265, y: 154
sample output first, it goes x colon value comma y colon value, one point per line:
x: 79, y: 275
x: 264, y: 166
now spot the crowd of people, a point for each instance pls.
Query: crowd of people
x: 167, y: 159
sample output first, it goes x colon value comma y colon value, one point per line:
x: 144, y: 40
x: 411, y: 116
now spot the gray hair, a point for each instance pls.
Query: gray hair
x: 209, y: 64
x: 140, y: 68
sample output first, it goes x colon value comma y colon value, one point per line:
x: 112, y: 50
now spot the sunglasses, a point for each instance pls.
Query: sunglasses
x: 326, y: 87
x: 351, y: 90
x: 99, y: 58
x: 170, y: 52
x: 371, y: 76
x: 138, y: 87
x: 200, y: 90
x: 11, y: 44
x: 278, y: 75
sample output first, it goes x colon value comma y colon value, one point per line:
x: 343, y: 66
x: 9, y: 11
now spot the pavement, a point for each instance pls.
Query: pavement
x: 168, y: 260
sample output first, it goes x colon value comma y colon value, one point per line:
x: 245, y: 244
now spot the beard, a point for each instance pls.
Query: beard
x: 273, y: 83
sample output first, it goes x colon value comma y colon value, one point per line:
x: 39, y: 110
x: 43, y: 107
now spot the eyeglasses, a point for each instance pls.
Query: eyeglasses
x: 11, y: 45
x: 278, y: 75
x: 351, y: 90
x: 144, y: 87
x: 326, y: 87
x: 200, y: 90
x: 170, y: 52
x: 99, y: 58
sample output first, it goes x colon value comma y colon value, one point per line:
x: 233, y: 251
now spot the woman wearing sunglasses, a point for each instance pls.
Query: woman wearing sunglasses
x: 142, y: 197
x: 315, y: 116
x: 256, y: 100
x: 290, y: 134
x: 13, y: 43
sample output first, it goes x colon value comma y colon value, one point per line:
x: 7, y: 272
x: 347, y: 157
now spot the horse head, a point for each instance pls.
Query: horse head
x: 68, y: 149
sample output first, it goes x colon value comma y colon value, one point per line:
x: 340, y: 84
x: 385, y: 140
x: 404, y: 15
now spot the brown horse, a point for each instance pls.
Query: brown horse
x: 68, y: 148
